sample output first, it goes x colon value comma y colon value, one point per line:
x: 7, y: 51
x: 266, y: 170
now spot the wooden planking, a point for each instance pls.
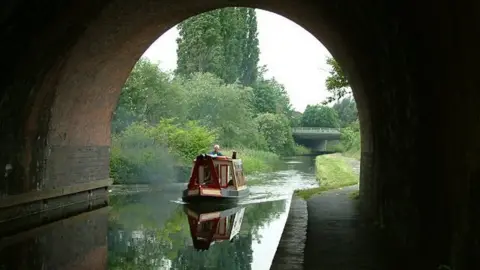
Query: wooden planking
x: 210, y: 191
x: 224, y: 175
x: 235, y: 180
x: 222, y: 162
x: 33, y: 196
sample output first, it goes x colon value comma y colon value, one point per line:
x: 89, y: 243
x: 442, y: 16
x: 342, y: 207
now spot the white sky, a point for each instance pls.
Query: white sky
x: 292, y: 55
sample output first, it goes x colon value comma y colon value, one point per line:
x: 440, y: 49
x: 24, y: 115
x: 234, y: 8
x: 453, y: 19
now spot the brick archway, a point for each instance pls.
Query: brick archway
x: 78, y: 60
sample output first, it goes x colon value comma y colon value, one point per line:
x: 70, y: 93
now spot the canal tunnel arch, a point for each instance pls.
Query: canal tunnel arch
x: 77, y: 70
x: 66, y: 62
x: 66, y: 97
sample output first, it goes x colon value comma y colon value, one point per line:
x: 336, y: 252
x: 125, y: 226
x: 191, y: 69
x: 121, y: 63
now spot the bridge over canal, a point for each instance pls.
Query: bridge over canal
x: 315, y: 138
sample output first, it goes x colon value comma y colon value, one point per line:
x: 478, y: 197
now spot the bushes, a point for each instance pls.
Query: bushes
x: 234, y: 112
x: 301, y: 150
x: 349, y: 143
x: 223, y: 107
x: 277, y: 132
x: 136, y: 158
x: 335, y: 146
x: 148, y: 154
x: 256, y: 160
x: 148, y: 95
x: 350, y: 140
x: 320, y: 116
x: 185, y: 141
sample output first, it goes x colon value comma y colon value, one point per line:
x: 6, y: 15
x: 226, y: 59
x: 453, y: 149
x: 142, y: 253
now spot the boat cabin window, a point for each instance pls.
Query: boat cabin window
x: 238, y: 170
x: 222, y: 170
x: 230, y: 177
x: 205, y: 226
x: 204, y: 175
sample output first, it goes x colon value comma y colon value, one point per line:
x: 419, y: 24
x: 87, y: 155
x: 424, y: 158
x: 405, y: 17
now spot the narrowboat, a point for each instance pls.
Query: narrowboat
x: 216, y: 178
x: 208, y: 228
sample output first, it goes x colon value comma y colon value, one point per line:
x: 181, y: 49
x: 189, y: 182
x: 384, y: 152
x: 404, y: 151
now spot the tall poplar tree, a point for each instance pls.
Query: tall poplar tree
x: 223, y: 42
x: 200, y: 44
x: 251, y: 51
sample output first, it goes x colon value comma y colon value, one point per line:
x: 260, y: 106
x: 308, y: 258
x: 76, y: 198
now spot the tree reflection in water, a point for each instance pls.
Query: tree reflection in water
x: 147, y: 232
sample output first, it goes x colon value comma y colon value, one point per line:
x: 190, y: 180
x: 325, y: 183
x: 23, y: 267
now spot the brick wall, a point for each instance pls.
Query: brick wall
x: 68, y: 165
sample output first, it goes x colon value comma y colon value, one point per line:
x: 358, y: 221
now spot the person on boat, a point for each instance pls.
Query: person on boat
x: 216, y: 151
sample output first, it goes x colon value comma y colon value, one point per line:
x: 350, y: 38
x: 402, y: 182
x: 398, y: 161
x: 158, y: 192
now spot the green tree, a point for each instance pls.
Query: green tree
x: 276, y: 130
x: 185, y: 140
x: 345, y: 106
x: 232, y: 31
x: 336, y: 83
x: 221, y: 107
x: 350, y: 141
x: 320, y: 116
x: 269, y: 96
x: 296, y: 119
x: 346, y: 110
x: 251, y: 51
x: 223, y: 42
x: 148, y: 95
x: 350, y: 136
x: 200, y: 44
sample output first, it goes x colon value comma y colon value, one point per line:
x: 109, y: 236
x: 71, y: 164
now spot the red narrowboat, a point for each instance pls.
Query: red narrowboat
x: 216, y: 177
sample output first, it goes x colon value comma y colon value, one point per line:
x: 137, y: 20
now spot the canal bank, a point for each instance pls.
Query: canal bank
x: 290, y: 250
x: 337, y: 238
x: 325, y: 230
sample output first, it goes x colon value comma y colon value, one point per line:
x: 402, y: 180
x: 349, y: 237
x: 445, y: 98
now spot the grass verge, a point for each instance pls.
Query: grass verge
x: 332, y: 172
x: 255, y: 161
x: 354, y: 195
x: 353, y: 154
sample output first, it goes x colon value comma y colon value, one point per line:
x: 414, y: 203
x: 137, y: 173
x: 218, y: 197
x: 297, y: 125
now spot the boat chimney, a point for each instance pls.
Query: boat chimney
x: 234, y: 155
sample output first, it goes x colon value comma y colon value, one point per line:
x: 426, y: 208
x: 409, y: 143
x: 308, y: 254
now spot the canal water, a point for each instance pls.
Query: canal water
x: 155, y: 230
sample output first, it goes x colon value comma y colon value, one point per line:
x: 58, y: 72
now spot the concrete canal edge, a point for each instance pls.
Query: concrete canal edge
x: 290, y: 250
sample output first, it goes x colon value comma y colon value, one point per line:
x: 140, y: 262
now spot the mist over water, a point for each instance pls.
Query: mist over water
x: 150, y: 229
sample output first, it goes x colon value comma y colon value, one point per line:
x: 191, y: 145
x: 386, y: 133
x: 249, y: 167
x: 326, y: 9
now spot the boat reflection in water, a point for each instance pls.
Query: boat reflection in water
x: 208, y: 226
